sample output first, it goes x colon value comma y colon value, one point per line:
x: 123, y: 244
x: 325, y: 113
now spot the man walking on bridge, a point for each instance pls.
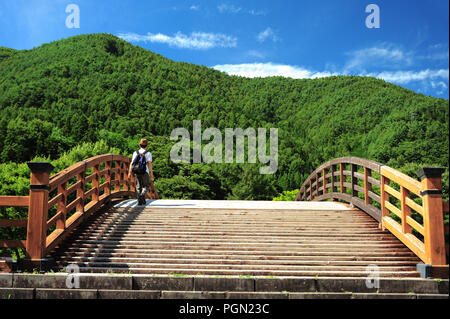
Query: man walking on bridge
x: 141, y: 167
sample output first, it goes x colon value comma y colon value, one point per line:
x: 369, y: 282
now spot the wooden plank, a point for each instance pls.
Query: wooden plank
x: 66, y: 175
x: 54, y: 219
x: 412, y: 204
x: 414, y: 244
x: 393, y: 209
x: 405, y: 209
x: 366, y: 163
x: 13, y: 243
x: 358, y: 175
x: 409, y: 183
x: 374, y: 197
x: 415, y: 225
x: 372, y: 211
x: 98, y: 159
x: 74, y: 187
x: 90, y: 178
x: 14, y: 201
x: 358, y: 189
x: 55, y: 200
x: 392, y: 191
x: 13, y: 223
x: 90, y: 192
x: 73, y: 204
x: 374, y: 181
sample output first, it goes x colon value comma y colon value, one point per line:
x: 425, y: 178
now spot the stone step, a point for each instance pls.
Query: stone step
x: 253, y: 272
x: 48, y: 293
x: 235, y: 283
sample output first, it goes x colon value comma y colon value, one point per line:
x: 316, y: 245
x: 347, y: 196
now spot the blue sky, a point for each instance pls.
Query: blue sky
x: 299, y: 39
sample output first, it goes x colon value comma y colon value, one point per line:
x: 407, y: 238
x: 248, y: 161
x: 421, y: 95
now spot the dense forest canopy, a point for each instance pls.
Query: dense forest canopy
x: 100, y: 89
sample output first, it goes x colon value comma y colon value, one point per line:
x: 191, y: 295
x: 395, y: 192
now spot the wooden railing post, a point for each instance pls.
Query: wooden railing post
x: 333, y: 179
x: 95, y: 183
x: 342, y: 178
x: 384, y: 196
x: 367, y: 186
x: 324, y: 181
x: 62, y: 203
x: 107, y: 190
x: 354, y: 180
x: 433, y: 220
x: 38, y: 211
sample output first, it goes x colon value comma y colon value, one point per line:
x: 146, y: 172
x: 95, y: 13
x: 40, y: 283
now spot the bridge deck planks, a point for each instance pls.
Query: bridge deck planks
x: 218, y: 239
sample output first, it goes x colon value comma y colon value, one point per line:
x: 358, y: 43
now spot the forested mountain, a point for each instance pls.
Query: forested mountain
x: 98, y: 87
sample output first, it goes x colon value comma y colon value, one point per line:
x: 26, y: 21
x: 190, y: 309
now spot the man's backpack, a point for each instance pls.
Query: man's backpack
x: 140, y: 164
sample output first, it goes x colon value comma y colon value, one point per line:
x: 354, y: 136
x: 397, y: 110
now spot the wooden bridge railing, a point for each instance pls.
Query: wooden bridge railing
x: 390, y: 197
x: 70, y: 196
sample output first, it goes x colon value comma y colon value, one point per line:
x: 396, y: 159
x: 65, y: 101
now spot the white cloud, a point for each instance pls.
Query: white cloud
x: 255, y: 54
x: 194, y: 7
x: 228, y: 8
x: 433, y: 78
x: 253, y: 70
x: 196, y: 40
x: 267, y: 34
x: 385, y: 55
x: 405, y: 77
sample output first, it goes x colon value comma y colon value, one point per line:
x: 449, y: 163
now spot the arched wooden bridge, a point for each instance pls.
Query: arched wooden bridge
x: 351, y: 214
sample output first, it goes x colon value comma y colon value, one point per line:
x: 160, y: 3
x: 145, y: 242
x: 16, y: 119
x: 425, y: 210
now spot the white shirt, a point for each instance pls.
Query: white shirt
x: 148, y: 157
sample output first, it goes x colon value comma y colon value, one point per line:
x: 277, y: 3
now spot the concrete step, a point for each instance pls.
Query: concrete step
x: 92, y: 286
x: 45, y: 293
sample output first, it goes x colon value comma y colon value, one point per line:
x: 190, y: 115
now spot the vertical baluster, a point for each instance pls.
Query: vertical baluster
x: 367, y: 186
x: 62, y: 203
x: 107, y: 190
x: 117, y: 175
x: 317, y: 184
x: 384, y: 196
x: 95, y: 183
x: 354, y: 180
x: 324, y: 180
x: 310, y: 189
x: 342, y: 177
x: 126, y: 182
x: 406, y: 211
x: 333, y: 179
x: 80, y: 191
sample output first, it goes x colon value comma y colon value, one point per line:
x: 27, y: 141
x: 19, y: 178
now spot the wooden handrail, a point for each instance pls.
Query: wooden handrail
x: 389, y: 198
x: 87, y: 194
